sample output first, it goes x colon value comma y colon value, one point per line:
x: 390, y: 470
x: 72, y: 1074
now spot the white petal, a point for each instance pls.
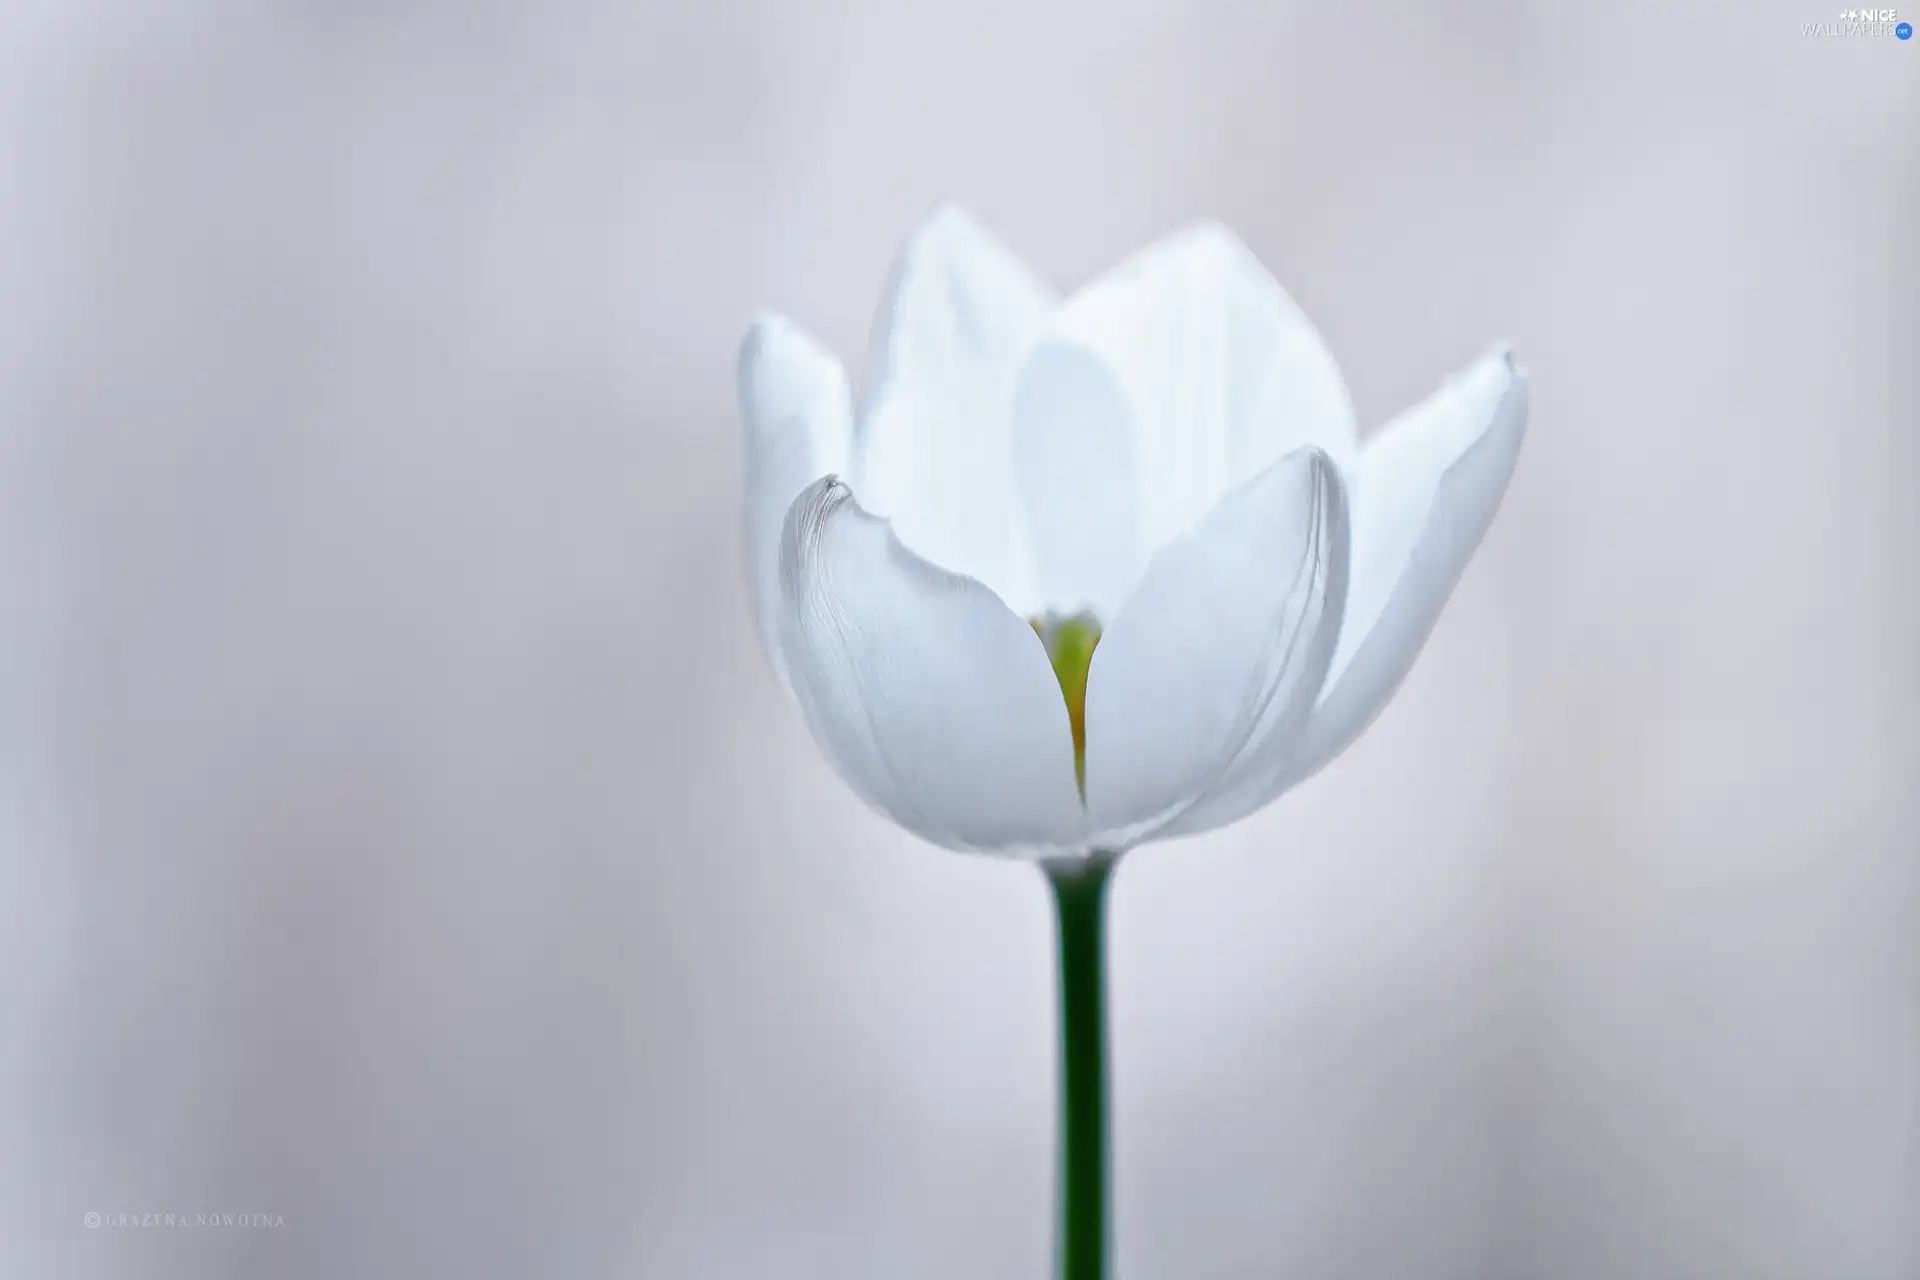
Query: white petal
x: 1074, y: 442
x: 1231, y: 627
x: 1224, y: 372
x: 797, y: 419
x: 934, y: 447
x: 1426, y: 490
x: 935, y: 703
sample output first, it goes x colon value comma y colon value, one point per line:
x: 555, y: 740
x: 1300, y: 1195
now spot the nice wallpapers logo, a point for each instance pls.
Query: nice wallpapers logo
x: 1863, y: 22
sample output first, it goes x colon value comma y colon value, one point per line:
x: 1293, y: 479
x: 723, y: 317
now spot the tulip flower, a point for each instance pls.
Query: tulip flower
x: 1088, y: 572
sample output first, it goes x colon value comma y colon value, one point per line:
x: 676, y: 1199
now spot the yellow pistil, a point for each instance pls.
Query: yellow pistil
x: 1070, y: 642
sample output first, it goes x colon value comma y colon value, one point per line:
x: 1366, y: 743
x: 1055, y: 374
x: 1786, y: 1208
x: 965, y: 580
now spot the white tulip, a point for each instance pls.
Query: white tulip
x: 1095, y: 571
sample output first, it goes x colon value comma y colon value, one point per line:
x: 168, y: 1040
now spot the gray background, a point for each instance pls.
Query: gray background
x: 403, y: 836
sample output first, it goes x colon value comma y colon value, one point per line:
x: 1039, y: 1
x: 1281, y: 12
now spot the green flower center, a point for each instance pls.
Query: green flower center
x: 1070, y: 642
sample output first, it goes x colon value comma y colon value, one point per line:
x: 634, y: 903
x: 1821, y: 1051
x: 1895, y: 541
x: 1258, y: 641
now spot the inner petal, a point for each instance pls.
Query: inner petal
x: 1220, y: 372
x: 1070, y: 640
x: 1074, y: 459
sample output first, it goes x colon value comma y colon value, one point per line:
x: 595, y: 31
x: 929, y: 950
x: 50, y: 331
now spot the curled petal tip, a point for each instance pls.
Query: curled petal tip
x: 1495, y: 373
x: 805, y: 523
x: 1502, y: 352
x: 824, y: 496
x: 1322, y: 466
x: 1516, y: 377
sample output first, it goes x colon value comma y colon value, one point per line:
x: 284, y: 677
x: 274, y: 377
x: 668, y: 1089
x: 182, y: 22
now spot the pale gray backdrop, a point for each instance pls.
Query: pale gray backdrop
x: 404, y: 838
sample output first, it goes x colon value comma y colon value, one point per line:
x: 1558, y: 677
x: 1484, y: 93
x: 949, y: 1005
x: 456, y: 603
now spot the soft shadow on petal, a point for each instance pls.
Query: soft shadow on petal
x: 1426, y: 490
x: 1224, y: 373
x: 934, y: 702
x: 933, y: 450
x: 796, y: 415
x: 1231, y: 628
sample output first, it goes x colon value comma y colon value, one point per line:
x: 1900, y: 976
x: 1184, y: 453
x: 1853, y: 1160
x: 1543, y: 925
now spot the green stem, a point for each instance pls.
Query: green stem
x: 1080, y: 896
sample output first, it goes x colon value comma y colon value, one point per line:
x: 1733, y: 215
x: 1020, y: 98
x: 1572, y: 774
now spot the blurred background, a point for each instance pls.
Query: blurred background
x: 402, y: 837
